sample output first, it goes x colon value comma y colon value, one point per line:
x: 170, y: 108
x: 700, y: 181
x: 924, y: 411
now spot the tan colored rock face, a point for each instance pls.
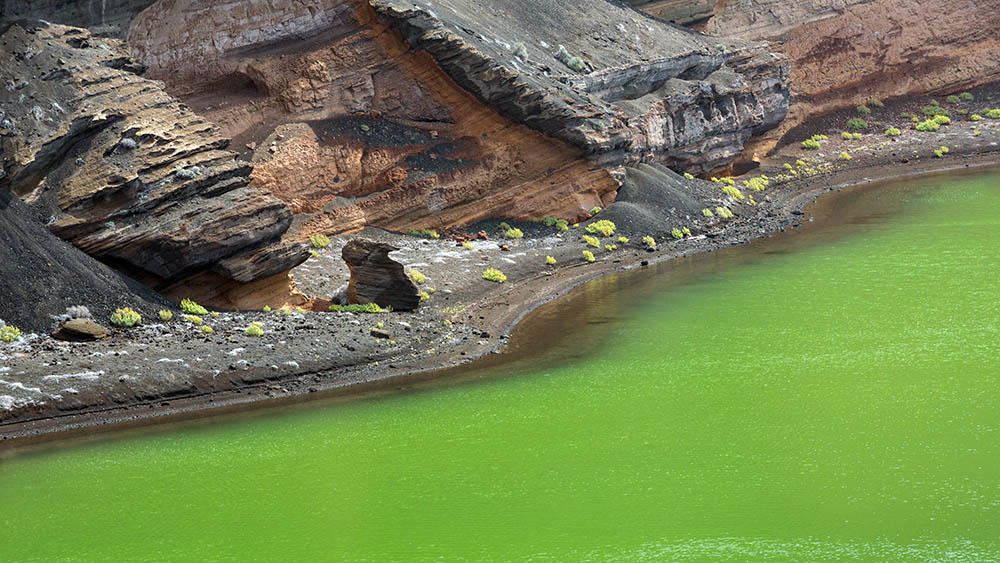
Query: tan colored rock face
x: 845, y: 51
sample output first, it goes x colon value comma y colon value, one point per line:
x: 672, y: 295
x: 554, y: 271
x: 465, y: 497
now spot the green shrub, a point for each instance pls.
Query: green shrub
x: 595, y: 210
x: 424, y: 296
x: 165, y: 315
x: 938, y: 153
x: 504, y: 226
x: 953, y: 99
x: 966, y: 97
x: 9, y: 333
x: 206, y: 329
x: 942, y: 119
x: 928, y: 125
x: 724, y: 212
x: 707, y: 212
x: 588, y: 256
x: 255, y: 329
x: 468, y: 245
x: 756, y: 184
x: 550, y: 260
x: 417, y: 277
x: 818, y: 137
x: 930, y: 111
x: 935, y: 103
x: 649, y: 241
x: 864, y: 110
x: 125, y: 317
x: 610, y: 247
x: 319, y: 241
x: 976, y: 132
x: 689, y: 176
x: 513, y: 233
x: 846, y: 136
x: 733, y: 191
x: 494, y: 275
x: 686, y: 231
x: 875, y: 102
x: 623, y: 240
x: 676, y: 233
x: 192, y: 308
x: 857, y: 124
x: 992, y: 113
x: 267, y: 308
x: 604, y: 227
x: 845, y: 156
x: 194, y: 319
x: 963, y: 112
x: 892, y: 132
x: 366, y: 308
x: 944, y: 150
x: 592, y: 241
x: 549, y: 221
x: 314, y: 254
x: 562, y: 225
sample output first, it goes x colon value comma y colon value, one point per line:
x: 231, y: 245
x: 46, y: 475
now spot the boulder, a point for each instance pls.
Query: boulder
x: 80, y: 330
x: 377, y: 278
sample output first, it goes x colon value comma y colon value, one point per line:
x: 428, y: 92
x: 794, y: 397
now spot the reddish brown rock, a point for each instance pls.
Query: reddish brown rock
x: 377, y: 278
x: 80, y: 330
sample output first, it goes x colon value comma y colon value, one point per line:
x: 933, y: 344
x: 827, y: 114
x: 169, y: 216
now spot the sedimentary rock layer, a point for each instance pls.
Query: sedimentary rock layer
x: 124, y: 171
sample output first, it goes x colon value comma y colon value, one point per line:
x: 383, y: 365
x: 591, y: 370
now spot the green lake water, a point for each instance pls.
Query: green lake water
x: 824, y: 395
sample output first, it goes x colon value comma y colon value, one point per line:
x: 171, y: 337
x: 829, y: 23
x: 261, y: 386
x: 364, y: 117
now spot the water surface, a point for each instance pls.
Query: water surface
x: 826, y: 395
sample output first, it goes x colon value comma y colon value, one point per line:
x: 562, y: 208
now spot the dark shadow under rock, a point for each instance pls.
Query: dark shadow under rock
x: 377, y: 278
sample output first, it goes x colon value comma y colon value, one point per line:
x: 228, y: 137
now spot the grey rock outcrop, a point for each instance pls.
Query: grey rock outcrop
x: 621, y: 85
x: 377, y: 278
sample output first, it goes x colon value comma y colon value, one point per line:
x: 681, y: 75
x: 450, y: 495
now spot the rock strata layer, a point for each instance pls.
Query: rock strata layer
x: 377, y: 278
x: 123, y: 170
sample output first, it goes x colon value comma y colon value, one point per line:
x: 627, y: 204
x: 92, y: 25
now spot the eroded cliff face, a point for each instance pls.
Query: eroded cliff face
x: 360, y: 112
x: 126, y: 172
x: 845, y: 51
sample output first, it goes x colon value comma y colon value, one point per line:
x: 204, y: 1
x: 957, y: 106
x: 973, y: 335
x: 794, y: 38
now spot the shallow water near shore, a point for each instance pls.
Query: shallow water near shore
x: 822, y: 395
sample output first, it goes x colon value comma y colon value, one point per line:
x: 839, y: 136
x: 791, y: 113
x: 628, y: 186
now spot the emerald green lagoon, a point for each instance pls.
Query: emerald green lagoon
x: 827, y: 394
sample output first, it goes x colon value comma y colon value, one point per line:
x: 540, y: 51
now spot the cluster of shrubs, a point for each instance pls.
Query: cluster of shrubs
x: 850, y: 136
x: 366, y: 308
x: 9, y: 333
x: 125, y: 317
x: 559, y: 224
x: 603, y: 227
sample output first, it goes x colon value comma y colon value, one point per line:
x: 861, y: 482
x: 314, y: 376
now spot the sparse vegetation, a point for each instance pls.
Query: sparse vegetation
x: 649, y: 241
x: 165, y: 315
x: 875, y: 102
x: 427, y: 233
x: 857, y: 124
x: 424, y: 296
x: 513, y: 233
x: 953, y: 99
x: 549, y: 221
x: 125, y: 317
x: 417, y: 277
x: 686, y: 231
x: 190, y: 307
x: 966, y: 97
x: 724, y: 212
x: 707, y: 212
x: 494, y: 275
x: 992, y: 113
x: 844, y: 156
x: 623, y: 240
x: 942, y: 119
x: 267, y: 309
x: 468, y: 245
x: 688, y: 176
x: 864, y: 110
x: 572, y: 61
x: 504, y: 226
x: 588, y: 256
x: 929, y: 125
x: 319, y: 241
x: 892, y: 132
x: 366, y: 308
x: 550, y: 260
x: 610, y: 247
x: 255, y: 329
x: 206, y: 329
x: 676, y: 233
x: 604, y: 227
x: 592, y: 241
x: 562, y: 225
x: 521, y: 51
x: 194, y: 319
x: 9, y: 333
x: 595, y: 210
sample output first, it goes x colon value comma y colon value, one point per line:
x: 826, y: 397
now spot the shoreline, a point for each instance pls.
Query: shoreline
x: 499, y: 313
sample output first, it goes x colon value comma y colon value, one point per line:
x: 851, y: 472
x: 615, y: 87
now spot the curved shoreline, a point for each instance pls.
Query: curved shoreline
x: 500, y: 313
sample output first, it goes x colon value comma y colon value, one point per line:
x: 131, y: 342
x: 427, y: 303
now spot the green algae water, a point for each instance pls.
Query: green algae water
x: 824, y: 395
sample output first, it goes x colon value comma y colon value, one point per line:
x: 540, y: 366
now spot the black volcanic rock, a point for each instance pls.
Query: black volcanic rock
x: 377, y: 278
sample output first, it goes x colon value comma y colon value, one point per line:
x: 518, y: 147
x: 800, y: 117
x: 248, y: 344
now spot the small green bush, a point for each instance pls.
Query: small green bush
x: 707, y: 212
x: 588, y: 256
x: 267, y: 309
x: 206, y: 329
x: 550, y: 260
x: 366, y: 308
x: 165, y: 315
x: 424, y: 296
x: 468, y: 245
x: 649, y: 241
x: 953, y: 99
x: 428, y: 233
x: 494, y: 275
x: 417, y: 277
x: 864, y: 110
x: 724, y: 212
x: 604, y: 227
x: 846, y: 136
x: 689, y: 176
x: 676, y: 233
x: 942, y: 119
x: 929, y: 125
x: 992, y: 113
x: 192, y: 308
x: 892, y: 132
x: 125, y: 317
x: 513, y: 233
x: 504, y: 226
x: 966, y: 97
x: 549, y: 221
x: 562, y: 225
x: 944, y: 150
x: 194, y: 319
x: 623, y: 240
x: 319, y: 241
x: 939, y: 153
x: 857, y: 124
x: 930, y: 111
x: 255, y: 329
x: 595, y: 210
x: 610, y: 247
x: 686, y: 231
x: 9, y: 333
x: 875, y: 102
x: 592, y: 241
x: 845, y: 156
